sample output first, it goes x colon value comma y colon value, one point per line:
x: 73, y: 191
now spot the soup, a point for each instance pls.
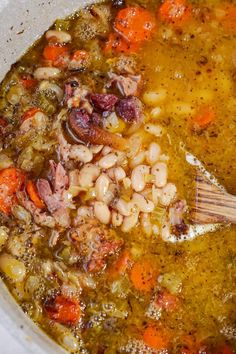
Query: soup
x: 101, y: 121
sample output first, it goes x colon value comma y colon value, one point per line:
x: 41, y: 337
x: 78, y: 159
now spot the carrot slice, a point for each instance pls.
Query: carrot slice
x: 11, y: 180
x: 167, y: 301
x: 53, y: 52
x: 225, y: 349
x: 28, y: 81
x: 229, y: 20
x: 117, y: 44
x: 63, y: 310
x: 143, y: 276
x: 30, y: 113
x: 122, y: 264
x: 135, y: 24
x: 174, y: 11
x: 155, y: 338
x: 33, y: 194
x: 203, y: 118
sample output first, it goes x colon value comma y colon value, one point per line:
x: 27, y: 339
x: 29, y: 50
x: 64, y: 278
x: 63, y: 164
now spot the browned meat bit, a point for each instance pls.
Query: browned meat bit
x: 53, y: 197
x: 130, y: 109
x: 94, y: 243
x: 103, y: 102
x: 176, y: 217
x: 81, y: 125
x: 127, y: 85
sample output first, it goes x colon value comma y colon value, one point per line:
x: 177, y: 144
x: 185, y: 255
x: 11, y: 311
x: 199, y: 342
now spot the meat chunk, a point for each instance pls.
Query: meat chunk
x: 103, y: 102
x: 127, y: 85
x: 95, y: 243
x: 177, y: 222
x: 53, y: 196
x: 130, y: 109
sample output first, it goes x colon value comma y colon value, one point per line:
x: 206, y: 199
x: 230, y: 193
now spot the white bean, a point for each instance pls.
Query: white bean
x: 119, y: 173
x: 138, y: 159
x: 96, y: 148
x: 153, y: 129
x: 159, y: 170
x: 12, y: 268
x: 61, y: 36
x: 146, y: 224
x: 46, y: 85
x: 101, y: 187
x: 155, y: 112
x: 102, y: 212
x: 81, y: 153
x: 153, y: 153
x: 108, y: 161
x: 143, y: 204
x: 138, y: 177
x: 152, y: 98
x: 106, y: 150
x: 130, y: 222
x: 168, y: 194
x: 123, y: 207
x: 88, y: 174
x: 46, y: 73
x: 116, y: 219
x: 85, y: 212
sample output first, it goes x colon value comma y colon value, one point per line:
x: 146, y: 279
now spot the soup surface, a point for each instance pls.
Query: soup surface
x: 96, y: 122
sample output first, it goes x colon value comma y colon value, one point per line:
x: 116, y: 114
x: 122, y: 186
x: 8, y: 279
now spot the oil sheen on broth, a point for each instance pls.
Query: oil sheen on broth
x: 95, y: 189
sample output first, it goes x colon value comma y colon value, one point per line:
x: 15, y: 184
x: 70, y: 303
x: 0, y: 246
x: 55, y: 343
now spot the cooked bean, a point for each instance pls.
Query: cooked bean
x: 108, y: 161
x: 12, y: 268
x: 85, y: 212
x: 146, y: 223
x: 51, y: 87
x: 59, y: 36
x: 155, y: 230
x: 88, y: 174
x: 46, y: 73
x: 153, y: 153
x: 138, y: 177
x: 143, y: 204
x: 123, y: 207
x: 116, y: 219
x: 159, y: 170
x: 96, y: 148
x: 130, y: 222
x: 152, y: 98
x: 4, y: 233
x: 168, y: 194
x: 81, y: 153
x: 69, y: 342
x: 102, y: 212
x: 138, y: 159
x: 101, y: 187
x: 155, y: 112
x: 106, y: 150
x: 119, y: 173
x: 153, y: 129
x: 21, y: 214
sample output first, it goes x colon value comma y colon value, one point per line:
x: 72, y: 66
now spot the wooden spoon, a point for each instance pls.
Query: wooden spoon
x: 212, y: 204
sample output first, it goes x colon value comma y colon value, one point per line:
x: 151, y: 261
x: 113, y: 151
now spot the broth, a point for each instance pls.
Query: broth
x: 95, y: 121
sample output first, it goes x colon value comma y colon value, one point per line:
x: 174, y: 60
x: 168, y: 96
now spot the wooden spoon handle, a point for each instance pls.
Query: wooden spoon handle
x: 212, y: 205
